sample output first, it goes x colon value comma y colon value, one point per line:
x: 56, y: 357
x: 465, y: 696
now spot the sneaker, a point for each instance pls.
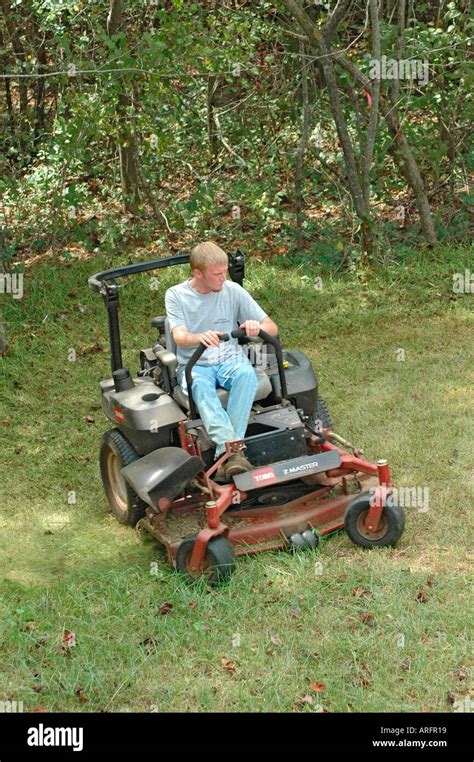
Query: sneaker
x: 235, y: 464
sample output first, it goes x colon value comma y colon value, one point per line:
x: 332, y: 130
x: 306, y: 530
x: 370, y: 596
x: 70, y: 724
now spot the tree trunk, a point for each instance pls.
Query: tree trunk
x: 301, y: 150
x: 12, y: 30
x: 40, y: 86
x: 367, y: 148
x: 211, y: 124
x: 409, y: 164
x: 126, y: 142
x: 404, y: 154
x: 321, y: 44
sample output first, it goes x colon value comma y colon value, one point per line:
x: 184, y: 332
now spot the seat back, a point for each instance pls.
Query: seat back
x: 170, y: 342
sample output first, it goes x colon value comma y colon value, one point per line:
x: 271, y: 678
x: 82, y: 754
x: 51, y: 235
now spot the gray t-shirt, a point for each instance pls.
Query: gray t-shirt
x: 216, y: 311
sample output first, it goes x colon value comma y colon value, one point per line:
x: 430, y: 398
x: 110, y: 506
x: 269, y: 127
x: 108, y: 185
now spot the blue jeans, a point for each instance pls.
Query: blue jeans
x: 238, y: 376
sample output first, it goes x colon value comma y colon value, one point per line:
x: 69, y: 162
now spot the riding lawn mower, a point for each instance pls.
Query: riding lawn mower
x: 157, y: 462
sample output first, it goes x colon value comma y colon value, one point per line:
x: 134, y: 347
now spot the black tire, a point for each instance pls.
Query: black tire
x: 116, y: 452
x: 219, y: 561
x: 391, y: 526
x: 321, y: 414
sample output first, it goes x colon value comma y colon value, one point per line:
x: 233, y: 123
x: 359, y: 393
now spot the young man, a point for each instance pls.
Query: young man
x: 200, y: 310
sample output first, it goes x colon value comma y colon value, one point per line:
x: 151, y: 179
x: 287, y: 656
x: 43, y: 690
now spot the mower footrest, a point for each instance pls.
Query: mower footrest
x: 163, y: 473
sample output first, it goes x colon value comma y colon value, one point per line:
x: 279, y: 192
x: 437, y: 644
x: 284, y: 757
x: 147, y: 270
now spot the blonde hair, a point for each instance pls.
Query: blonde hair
x: 207, y: 253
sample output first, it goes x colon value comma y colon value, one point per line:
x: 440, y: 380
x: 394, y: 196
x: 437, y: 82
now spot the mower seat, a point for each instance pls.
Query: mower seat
x: 264, y: 387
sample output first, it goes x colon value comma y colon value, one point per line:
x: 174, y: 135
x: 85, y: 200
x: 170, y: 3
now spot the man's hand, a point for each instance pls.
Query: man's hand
x: 251, y: 327
x: 210, y: 338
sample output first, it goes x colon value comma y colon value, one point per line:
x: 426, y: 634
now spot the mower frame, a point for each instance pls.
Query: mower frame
x: 266, y: 527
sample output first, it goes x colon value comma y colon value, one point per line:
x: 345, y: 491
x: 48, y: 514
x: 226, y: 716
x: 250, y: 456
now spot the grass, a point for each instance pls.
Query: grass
x: 342, y: 630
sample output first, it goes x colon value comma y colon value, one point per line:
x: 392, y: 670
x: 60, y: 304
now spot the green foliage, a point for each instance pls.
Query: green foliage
x: 163, y: 58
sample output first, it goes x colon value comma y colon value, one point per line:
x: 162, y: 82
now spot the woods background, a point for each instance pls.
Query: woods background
x: 268, y: 125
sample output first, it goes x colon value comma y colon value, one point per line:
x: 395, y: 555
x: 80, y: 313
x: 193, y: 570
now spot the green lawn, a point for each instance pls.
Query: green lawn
x: 342, y: 630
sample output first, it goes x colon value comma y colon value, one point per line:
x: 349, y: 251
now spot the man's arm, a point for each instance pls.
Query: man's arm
x: 186, y: 339
x: 251, y: 316
x: 252, y: 327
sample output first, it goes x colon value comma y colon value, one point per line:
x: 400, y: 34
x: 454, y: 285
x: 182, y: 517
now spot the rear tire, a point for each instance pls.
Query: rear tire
x: 321, y: 418
x: 116, y: 452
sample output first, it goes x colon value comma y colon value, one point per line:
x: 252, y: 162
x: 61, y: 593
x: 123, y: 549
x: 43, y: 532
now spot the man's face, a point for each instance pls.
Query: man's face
x: 213, y: 277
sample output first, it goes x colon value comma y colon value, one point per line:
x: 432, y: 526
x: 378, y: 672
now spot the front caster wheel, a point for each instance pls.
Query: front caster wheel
x: 219, y: 561
x: 390, y: 528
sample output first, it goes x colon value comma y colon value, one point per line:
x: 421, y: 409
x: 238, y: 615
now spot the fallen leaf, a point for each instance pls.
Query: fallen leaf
x: 461, y: 674
x: 421, y: 597
x: 228, y: 664
x: 193, y: 605
x: 89, y: 419
x: 317, y: 687
x: 165, y: 608
x: 406, y: 665
x: 358, y: 592
x: 69, y: 639
x: 276, y: 641
x: 88, y: 349
x: 295, y: 613
x: 367, y: 618
x: 37, y: 688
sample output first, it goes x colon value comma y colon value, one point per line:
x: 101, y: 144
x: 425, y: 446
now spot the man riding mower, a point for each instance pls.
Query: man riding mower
x: 163, y: 465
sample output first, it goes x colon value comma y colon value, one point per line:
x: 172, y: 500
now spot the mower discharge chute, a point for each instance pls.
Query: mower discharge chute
x: 157, y: 463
